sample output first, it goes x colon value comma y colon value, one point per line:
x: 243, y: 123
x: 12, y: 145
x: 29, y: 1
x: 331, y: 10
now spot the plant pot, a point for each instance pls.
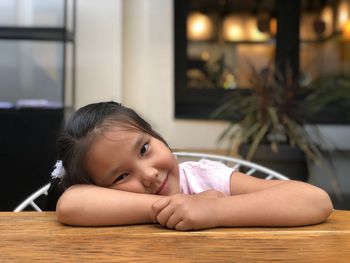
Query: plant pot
x: 288, y: 161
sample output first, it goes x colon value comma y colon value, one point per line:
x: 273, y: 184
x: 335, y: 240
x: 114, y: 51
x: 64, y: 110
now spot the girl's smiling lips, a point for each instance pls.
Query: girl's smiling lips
x: 162, y: 186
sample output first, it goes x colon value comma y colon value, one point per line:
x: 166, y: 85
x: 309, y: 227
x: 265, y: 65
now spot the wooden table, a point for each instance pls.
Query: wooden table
x: 33, y: 236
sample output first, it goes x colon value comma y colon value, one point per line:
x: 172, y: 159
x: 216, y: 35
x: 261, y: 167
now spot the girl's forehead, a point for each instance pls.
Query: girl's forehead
x: 115, y: 140
x: 121, y: 133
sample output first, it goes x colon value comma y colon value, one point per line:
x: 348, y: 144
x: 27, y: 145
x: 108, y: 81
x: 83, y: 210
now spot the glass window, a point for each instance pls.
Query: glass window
x: 31, y: 70
x: 37, y: 51
x: 218, y: 45
x: 226, y: 38
x: 29, y: 13
x: 324, y: 39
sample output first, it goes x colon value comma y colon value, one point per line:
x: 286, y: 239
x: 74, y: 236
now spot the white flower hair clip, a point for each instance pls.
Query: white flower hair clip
x: 59, y: 171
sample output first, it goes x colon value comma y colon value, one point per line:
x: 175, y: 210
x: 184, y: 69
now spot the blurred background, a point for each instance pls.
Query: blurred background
x: 175, y: 62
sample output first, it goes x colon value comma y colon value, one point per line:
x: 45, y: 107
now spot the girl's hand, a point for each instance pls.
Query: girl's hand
x: 187, y: 212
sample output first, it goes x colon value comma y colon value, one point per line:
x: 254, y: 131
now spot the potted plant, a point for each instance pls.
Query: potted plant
x: 272, y: 120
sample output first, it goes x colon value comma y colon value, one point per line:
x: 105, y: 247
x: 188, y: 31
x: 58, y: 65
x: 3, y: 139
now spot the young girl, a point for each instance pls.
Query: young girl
x: 117, y: 170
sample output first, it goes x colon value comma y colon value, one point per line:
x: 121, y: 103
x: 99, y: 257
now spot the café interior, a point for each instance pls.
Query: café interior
x: 187, y: 66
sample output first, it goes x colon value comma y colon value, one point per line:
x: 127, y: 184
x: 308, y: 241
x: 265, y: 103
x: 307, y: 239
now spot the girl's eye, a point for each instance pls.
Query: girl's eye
x: 144, y: 149
x: 120, y: 178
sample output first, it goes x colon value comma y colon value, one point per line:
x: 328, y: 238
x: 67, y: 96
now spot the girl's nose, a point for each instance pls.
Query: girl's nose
x: 149, y: 176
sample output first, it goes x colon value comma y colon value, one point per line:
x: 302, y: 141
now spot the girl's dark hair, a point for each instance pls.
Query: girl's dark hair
x: 83, y: 127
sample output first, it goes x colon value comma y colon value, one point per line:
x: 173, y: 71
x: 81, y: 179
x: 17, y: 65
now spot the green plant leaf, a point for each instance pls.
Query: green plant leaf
x: 262, y: 132
x: 273, y: 115
x: 227, y: 131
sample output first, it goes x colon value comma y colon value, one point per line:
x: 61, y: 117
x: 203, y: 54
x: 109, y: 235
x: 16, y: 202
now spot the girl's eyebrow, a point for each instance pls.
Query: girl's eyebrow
x: 138, y: 142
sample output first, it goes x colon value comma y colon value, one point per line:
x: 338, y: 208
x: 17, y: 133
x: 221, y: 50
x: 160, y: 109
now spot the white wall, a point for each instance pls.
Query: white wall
x: 148, y: 79
x: 99, y: 51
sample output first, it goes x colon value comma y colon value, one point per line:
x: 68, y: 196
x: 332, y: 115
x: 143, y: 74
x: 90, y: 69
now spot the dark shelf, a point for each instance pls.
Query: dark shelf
x: 37, y: 33
x: 321, y: 39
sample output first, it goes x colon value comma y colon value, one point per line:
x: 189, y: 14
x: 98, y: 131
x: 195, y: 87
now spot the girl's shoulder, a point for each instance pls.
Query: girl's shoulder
x: 196, y: 177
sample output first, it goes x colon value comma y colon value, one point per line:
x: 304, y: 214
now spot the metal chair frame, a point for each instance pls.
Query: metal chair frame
x: 235, y: 163
x: 30, y: 200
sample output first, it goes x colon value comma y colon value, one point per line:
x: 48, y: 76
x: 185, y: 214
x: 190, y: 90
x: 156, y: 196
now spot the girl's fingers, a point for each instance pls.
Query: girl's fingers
x: 158, y: 206
x: 164, y: 215
x: 172, y: 221
x: 181, y: 226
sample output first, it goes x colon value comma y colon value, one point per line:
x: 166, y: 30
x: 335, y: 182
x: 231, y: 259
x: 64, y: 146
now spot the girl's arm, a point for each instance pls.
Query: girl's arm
x: 274, y: 203
x: 90, y: 205
x: 253, y: 202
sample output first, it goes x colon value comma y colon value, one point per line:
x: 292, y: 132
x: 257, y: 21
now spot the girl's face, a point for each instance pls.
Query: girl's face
x: 133, y: 161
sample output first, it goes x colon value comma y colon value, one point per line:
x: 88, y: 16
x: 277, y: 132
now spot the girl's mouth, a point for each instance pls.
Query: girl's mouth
x: 162, y: 186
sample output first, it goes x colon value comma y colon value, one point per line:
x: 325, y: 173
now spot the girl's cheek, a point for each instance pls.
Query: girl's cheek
x: 134, y: 186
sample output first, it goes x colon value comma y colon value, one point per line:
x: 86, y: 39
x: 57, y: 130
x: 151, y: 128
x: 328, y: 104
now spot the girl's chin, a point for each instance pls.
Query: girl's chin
x: 172, y: 188
x: 164, y: 189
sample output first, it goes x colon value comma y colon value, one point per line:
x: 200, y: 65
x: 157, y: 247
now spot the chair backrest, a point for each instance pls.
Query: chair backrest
x: 247, y: 167
x: 30, y: 201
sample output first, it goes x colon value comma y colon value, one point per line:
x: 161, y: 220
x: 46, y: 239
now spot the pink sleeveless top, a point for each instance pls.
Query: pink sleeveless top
x: 196, y: 177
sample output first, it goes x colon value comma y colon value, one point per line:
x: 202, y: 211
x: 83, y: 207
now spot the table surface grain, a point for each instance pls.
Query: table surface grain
x: 33, y: 236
